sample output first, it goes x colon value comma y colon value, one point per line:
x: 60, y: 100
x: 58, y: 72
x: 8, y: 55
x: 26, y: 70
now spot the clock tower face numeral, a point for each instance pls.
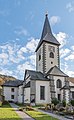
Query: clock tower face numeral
x: 51, y: 48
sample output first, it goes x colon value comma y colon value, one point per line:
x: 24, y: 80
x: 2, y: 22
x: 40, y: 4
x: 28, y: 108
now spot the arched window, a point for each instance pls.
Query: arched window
x: 51, y: 55
x: 59, y: 83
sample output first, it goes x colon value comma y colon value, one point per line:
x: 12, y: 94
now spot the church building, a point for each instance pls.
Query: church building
x: 48, y: 81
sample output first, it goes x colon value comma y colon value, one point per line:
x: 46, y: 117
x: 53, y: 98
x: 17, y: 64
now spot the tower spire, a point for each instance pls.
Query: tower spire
x: 46, y: 27
x: 47, y: 35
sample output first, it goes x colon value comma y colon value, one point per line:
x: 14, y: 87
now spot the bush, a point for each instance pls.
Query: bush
x: 21, y: 108
x: 68, y: 113
x: 72, y: 102
x: 55, y: 101
x: 64, y: 103
x: 5, y: 102
x: 54, y: 108
x: 61, y: 109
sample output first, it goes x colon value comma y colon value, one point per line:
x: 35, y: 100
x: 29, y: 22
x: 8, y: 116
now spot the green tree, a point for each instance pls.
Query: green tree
x: 72, y: 103
x: 64, y: 103
x: 55, y: 101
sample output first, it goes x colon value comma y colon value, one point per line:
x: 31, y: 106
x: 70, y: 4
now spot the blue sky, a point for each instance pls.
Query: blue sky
x: 21, y: 23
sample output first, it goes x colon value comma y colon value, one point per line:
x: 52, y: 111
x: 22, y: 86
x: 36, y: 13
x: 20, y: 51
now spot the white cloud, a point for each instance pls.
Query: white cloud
x: 32, y: 59
x: 70, y: 57
x: 61, y: 37
x: 23, y: 57
x: 6, y: 71
x: 70, y: 6
x: 18, y: 57
x: 54, y: 20
x: 32, y: 44
x: 68, y: 71
x: 17, y: 39
x: 4, y: 58
x: 24, y: 66
x: 23, y: 49
x: 64, y: 52
x: 10, y: 50
x: 72, y: 47
x: 21, y: 31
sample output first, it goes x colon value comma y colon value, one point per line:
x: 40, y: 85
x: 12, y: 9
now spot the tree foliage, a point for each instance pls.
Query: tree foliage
x: 64, y: 103
x: 55, y: 101
x: 72, y: 102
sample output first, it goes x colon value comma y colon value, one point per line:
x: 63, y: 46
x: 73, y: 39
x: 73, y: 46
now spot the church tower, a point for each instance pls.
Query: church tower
x: 47, y: 51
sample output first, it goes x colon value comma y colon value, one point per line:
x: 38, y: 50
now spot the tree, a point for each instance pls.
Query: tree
x: 64, y: 103
x: 55, y: 101
x: 72, y: 103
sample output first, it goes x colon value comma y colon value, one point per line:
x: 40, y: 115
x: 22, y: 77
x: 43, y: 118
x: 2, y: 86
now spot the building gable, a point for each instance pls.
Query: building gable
x: 56, y: 72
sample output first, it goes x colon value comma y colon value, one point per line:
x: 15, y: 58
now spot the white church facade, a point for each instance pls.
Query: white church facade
x: 48, y: 81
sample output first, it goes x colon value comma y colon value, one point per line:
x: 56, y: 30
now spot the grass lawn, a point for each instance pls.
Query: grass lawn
x: 40, y: 116
x: 7, y: 113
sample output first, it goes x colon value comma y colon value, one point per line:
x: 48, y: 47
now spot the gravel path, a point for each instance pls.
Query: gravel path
x: 23, y: 115
x: 54, y: 115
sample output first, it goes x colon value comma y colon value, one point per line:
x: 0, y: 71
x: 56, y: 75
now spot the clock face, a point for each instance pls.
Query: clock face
x: 51, y: 48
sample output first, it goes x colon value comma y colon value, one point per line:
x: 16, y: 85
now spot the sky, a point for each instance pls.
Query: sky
x: 21, y: 23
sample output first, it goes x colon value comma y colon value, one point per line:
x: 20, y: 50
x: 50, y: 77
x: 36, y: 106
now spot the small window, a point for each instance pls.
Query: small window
x: 42, y: 92
x: 39, y: 57
x: 51, y: 62
x: 59, y: 84
x: 12, y: 89
x: 51, y: 55
x: 12, y: 96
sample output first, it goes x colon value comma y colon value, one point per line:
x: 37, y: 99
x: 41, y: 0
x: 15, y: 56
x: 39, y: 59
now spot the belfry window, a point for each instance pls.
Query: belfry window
x: 39, y: 57
x: 59, y: 84
x: 51, y: 55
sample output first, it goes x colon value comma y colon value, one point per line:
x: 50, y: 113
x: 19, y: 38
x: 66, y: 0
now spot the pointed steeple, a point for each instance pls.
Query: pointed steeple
x: 47, y: 35
x: 46, y: 28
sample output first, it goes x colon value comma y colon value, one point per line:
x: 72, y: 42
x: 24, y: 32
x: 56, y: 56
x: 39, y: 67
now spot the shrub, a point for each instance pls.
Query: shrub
x: 72, y: 102
x: 68, y: 113
x: 64, y: 103
x: 21, y: 108
x: 55, y: 101
x: 46, y: 106
x: 61, y: 109
x: 5, y: 102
